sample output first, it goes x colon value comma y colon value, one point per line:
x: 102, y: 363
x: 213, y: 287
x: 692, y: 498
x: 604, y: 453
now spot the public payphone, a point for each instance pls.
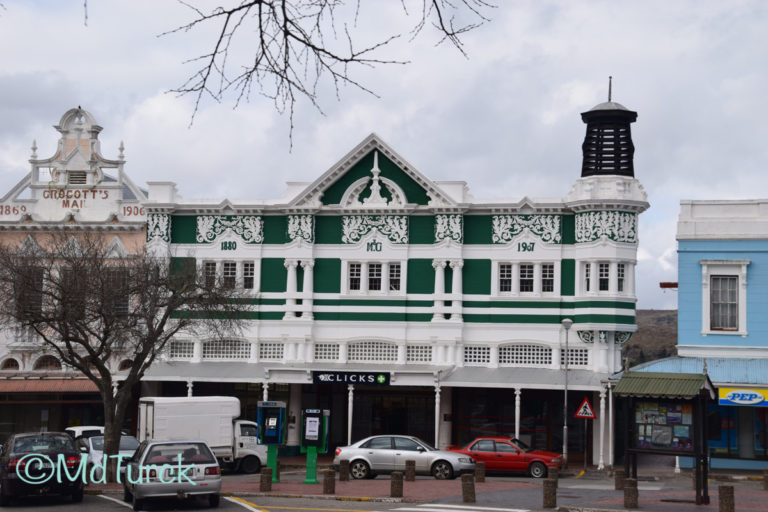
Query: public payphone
x: 314, y: 438
x: 272, y: 422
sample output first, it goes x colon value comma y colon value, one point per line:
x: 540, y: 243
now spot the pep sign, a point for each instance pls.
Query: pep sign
x: 753, y: 397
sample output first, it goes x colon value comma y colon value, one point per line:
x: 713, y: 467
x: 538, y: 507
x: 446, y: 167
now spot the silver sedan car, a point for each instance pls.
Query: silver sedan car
x: 178, y: 469
x: 384, y: 454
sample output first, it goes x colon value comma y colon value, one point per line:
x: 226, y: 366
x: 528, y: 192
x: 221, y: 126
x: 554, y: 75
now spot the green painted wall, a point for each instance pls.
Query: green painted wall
x: 273, y: 275
x: 413, y: 191
x: 183, y: 229
x: 328, y: 229
x: 477, y: 229
x: 567, y: 277
x: 275, y: 229
x: 421, y: 229
x: 421, y: 276
x: 568, y: 227
x: 476, y: 277
x: 327, y: 275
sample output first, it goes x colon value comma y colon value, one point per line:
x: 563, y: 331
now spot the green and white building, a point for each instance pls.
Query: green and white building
x: 406, y: 305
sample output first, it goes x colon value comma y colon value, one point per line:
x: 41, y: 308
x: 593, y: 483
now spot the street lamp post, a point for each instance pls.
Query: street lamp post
x: 566, y: 323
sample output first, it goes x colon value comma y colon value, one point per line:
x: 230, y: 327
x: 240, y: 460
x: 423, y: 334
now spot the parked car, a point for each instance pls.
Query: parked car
x: 48, y: 444
x: 158, y: 464
x: 384, y: 454
x: 84, y: 431
x: 510, y: 454
x: 95, y: 447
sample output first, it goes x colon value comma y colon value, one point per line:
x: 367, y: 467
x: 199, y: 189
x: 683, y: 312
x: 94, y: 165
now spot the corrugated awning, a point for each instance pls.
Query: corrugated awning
x: 663, y: 385
x: 47, y: 386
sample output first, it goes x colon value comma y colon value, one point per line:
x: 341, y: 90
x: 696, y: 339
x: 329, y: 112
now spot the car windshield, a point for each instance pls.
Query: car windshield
x: 44, y: 443
x: 521, y: 445
x: 126, y: 443
x: 197, y: 453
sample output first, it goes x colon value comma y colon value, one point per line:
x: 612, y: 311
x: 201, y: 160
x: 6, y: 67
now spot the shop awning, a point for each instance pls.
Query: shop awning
x: 524, y: 378
x: 663, y: 385
x: 47, y: 386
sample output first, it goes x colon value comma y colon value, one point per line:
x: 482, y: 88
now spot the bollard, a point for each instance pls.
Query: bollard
x: 549, y: 489
x: 265, y: 481
x: 329, y: 481
x: 396, y: 485
x: 344, y: 470
x: 410, y: 471
x: 765, y: 479
x: 554, y: 474
x: 630, y: 493
x: 480, y: 472
x: 618, y: 479
x: 468, y: 488
x: 725, y: 499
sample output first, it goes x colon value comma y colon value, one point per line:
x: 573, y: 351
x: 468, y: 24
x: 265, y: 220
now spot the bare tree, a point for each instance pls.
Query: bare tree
x: 293, y: 45
x: 92, y: 307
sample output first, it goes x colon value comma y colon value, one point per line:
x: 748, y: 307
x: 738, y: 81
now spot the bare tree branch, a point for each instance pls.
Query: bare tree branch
x: 294, y: 47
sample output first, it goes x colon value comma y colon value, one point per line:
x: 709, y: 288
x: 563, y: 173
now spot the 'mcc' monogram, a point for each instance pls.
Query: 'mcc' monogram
x: 373, y: 246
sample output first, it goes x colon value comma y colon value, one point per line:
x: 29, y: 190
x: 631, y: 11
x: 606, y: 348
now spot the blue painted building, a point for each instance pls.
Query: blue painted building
x: 723, y: 322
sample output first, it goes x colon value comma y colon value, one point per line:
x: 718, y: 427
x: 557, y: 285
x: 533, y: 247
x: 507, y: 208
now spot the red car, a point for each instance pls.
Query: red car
x: 509, y: 454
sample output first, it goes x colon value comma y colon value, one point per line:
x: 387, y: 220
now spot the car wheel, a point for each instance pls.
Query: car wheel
x: 537, y: 470
x: 77, y: 496
x: 127, y: 495
x: 250, y: 464
x: 213, y: 500
x: 442, y: 470
x: 138, y: 504
x: 359, y: 469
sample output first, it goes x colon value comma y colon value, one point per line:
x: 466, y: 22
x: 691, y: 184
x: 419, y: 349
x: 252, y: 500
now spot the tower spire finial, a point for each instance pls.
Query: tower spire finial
x: 610, y: 80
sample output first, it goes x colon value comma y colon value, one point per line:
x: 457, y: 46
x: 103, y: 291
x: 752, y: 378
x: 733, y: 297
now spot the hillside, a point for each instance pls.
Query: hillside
x: 655, y: 338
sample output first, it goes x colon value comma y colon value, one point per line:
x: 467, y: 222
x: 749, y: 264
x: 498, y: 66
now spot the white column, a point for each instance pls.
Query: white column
x: 308, y: 287
x: 350, y: 410
x: 254, y: 355
x: 446, y: 415
x: 197, y: 351
x: 593, y: 282
x: 457, y: 290
x: 437, y: 416
x: 385, y: 277
x: 537, y: 279
x: 265, y: 391
x: 401, y: 353
x: 290, y: 289
x: 190, y: 385
x: 610, y: 425
x: 343, y: 353
x: 364, y: 277
x: 439, y: 266
x: 494, y: 356
x: 613, y: 278
x: 518, y: 392
x: 629, y: 279
x: 294, y: 411
x: 601, y: 460
x: 515, y: 278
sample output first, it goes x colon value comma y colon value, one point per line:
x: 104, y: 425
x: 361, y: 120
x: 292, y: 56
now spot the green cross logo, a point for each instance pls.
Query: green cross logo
x: 381, y: 379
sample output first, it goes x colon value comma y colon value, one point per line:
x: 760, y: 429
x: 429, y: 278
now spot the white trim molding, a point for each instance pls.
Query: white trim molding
x: 736, y: 268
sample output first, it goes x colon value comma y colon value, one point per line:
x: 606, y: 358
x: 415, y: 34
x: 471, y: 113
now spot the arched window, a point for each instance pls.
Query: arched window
x: 47, y: 363
x: 10, y: 364
x: 125, y: 364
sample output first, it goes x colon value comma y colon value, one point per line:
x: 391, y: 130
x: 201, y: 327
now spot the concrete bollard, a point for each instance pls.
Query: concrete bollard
x: 630, y: 493
x: 396, y: 486
x: 265, y: 480
x: 344, y: 470
x: 726, y: 502
x: 480, y: 472
x: 468, y: 488
x: 618, y: 479
x: 554, y: 474
x: 329, y: 481
x: 765, y: 479
x: 410, y: 471
x: 549, y: 493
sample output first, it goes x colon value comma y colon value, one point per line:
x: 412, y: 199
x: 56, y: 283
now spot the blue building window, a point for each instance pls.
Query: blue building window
x: 725, y: 303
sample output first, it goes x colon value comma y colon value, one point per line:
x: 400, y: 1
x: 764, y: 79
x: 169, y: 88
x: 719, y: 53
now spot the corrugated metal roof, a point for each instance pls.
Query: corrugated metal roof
x: 661, y: 385
x: 721, y: 370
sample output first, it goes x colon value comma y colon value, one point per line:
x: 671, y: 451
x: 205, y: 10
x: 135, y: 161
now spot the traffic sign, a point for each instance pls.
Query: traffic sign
x: 585, y: 411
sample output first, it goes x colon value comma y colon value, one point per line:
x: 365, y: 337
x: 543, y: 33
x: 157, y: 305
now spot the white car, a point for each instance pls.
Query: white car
x: 95, y: 447
x: 84, y: 431
x: 384, y: 454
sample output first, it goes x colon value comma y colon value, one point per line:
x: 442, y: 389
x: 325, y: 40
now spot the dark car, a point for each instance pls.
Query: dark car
x: 510, y: 454
x: 29, y: 465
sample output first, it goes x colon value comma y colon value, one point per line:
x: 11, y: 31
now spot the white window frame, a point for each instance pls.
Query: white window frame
x: 366, y: 276
x: 736, y: 268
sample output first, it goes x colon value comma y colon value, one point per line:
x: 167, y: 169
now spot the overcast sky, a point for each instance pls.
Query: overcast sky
x: 506, y: 119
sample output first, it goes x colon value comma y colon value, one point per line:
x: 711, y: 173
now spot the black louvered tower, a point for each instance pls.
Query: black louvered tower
x: 608, y: 147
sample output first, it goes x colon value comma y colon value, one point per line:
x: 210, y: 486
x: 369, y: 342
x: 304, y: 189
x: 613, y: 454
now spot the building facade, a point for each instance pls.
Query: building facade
x: 406, y: 305
x: 77, y: 190
x: 722, y: 279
